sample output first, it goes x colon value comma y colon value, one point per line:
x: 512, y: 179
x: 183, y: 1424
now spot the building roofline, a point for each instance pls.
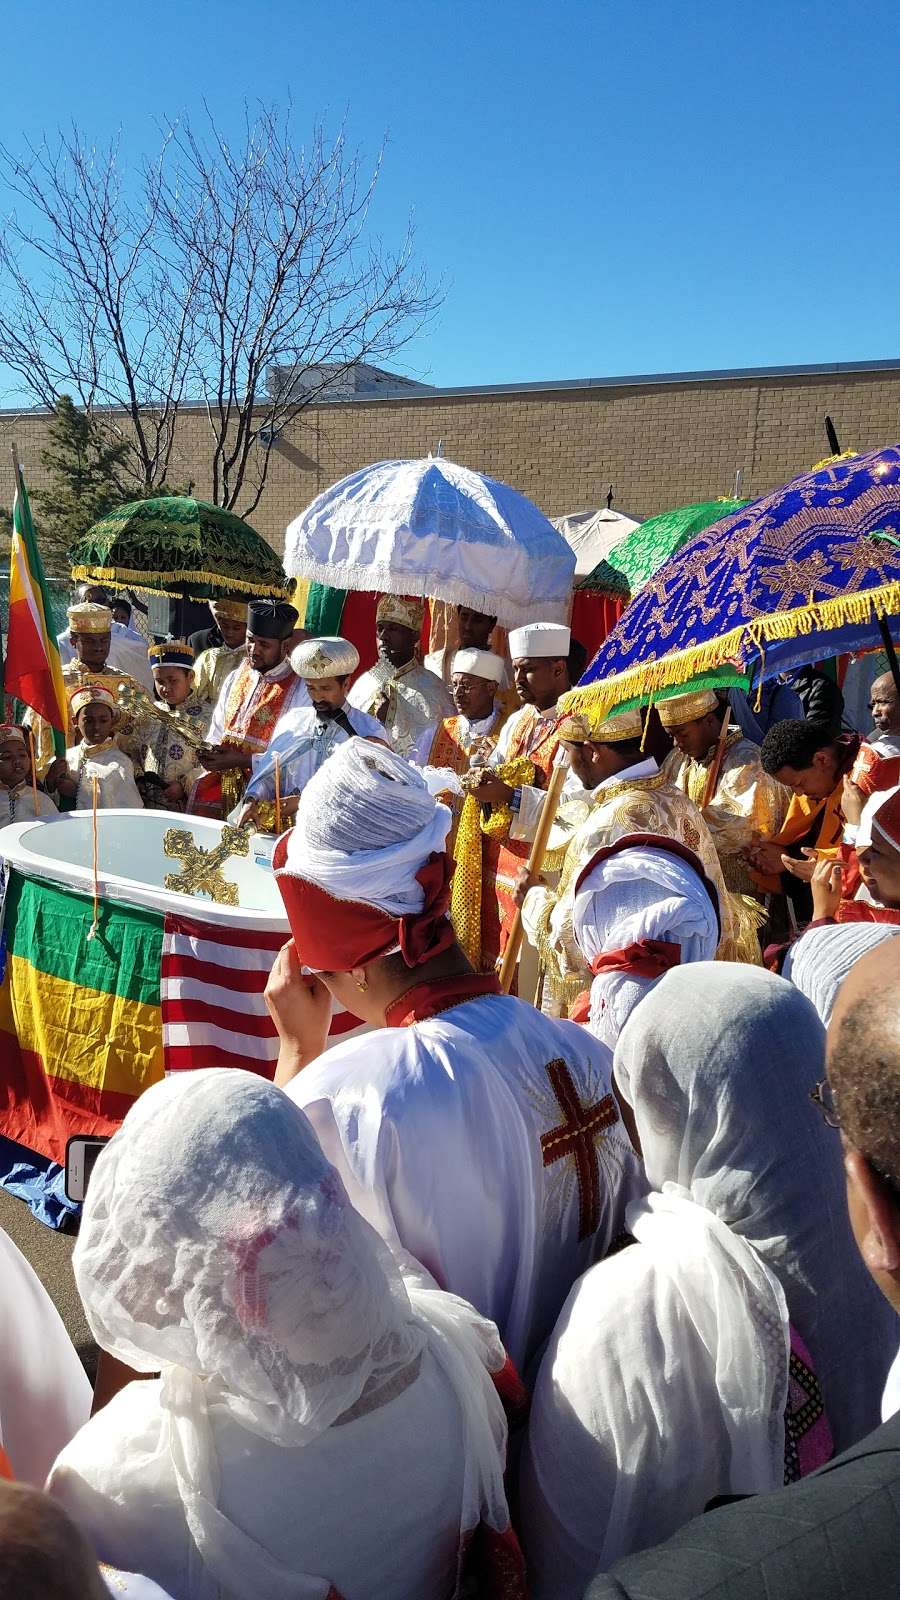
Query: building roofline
x: 639, y: 380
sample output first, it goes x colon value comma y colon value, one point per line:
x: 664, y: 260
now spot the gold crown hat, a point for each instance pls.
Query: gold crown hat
x: 88, y: 617
x: 682, y: 708
x: 402, y: 608
x: 577, y: 728
x: 171, y: 653
x: 235, y: 609
x: 91, y: 692
x: 329, y: 657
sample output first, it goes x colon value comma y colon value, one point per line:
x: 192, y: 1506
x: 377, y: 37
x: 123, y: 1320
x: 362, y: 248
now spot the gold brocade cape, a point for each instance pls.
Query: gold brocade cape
x: 746, y: 801
x: 131, y: 733
x: 651, y: 805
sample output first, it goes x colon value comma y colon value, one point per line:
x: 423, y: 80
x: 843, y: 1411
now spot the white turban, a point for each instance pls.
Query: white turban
x: 365, y: 825
x: 637, y: 894
x: 818, y: 963
x: 480, y: 663
x: 549, y: 640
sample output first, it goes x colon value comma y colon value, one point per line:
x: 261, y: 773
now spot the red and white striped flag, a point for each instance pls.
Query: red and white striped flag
x: 211, y: 990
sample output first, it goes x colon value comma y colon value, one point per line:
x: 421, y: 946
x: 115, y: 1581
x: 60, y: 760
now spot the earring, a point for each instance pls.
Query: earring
x: 362, y: 983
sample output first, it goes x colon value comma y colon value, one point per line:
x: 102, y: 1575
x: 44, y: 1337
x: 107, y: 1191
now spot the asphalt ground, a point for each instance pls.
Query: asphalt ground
x: 50, y: 1254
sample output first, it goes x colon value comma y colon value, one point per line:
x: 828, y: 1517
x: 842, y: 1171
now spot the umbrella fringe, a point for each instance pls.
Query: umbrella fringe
x: 649, y: 677
x: 452, y: 591
x: 162, y: 582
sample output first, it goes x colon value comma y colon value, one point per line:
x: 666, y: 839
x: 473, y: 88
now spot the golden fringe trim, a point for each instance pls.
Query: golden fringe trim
x: 124, y: 578
x: 598, y: 699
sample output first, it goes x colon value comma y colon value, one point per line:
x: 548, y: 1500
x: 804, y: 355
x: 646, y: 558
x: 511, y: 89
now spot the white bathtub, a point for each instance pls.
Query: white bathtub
x: 132, y: 866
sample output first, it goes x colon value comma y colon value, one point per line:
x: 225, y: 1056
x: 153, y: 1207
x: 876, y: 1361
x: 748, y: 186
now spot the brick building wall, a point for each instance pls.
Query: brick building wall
x: 660, y: 442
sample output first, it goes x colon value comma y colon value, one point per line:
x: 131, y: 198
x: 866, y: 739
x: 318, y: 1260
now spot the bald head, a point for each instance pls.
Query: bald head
x: 884, y: 704
x: 42, y: 1552
x: 864, y: 1057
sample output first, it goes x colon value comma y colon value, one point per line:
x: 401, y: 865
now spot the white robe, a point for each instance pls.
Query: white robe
x: 45, y: 1396
x: 436, y: 1131
x: 470, y: 733
x: 302, y: 741
x: 113, y: 770
x: 17, y: 805
x: 416, y: 698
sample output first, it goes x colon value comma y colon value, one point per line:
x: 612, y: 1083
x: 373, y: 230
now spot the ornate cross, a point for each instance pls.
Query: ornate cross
x: 134, y: 703
x: 575, y: 1140
x: 201, y: 869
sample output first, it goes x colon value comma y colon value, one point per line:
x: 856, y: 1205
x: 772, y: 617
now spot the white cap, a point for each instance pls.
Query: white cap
x: 539, y: 639
x: 480, y: 663
x: 331, y: 657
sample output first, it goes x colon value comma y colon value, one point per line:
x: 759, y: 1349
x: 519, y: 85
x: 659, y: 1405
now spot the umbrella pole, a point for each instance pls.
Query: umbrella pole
x: 890, y: 651
x: 535, y: 862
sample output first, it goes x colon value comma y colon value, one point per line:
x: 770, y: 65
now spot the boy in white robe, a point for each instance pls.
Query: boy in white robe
x: 95, y: 715
x: 19, y: 800
x: 474, y: 1134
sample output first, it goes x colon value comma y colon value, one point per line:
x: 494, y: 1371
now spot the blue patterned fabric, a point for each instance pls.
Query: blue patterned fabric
x: 782, y: 582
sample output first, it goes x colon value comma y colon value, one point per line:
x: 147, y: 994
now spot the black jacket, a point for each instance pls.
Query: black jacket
x: 833, y: 1536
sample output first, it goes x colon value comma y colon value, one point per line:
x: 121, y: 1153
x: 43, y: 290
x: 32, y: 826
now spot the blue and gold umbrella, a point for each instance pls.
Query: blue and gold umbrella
x: 809, y: 571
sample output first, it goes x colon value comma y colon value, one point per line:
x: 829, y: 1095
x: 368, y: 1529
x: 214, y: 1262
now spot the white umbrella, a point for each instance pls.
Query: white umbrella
x: 592, y: 534
x: 435, y: 529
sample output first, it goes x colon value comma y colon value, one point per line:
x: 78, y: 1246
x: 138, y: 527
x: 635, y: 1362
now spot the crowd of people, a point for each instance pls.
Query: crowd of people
x: 588, y: 1297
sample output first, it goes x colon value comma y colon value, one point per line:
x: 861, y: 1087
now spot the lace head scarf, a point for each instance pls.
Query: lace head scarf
x: 818, y: 963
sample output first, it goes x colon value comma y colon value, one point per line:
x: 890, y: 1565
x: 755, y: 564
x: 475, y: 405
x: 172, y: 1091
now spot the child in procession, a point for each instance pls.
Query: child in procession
x: 96, y: 717
x: 171, y: 767
x: 19, y: 797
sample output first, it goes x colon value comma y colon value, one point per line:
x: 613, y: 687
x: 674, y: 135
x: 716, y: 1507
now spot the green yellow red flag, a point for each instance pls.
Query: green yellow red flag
x: 33, y: 668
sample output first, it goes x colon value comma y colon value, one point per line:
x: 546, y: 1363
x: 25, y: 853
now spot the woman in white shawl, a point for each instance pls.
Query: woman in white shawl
x: 675, y: 1373
x: 318, y: 1429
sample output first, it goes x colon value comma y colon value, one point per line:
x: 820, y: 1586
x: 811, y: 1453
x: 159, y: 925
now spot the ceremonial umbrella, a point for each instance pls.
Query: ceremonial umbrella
x: 432, y: 528
x: 592, y: 535
x: 177, y: 546
x: 641, y: 553
x: 810, y: 571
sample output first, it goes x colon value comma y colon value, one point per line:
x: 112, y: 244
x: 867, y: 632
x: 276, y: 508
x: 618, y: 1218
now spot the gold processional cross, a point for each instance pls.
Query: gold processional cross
x: 201, y: 869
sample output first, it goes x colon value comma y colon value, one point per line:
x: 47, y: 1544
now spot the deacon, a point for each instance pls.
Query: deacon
x: 307, y: 735
x: 720, y: 770
x: 446, y: 754
x: 216, y: 660
x: 812, y: 763
x: 475, y: 1135
x: 127, y: 647
x: 90, y: 632
x: 525, y: 753
x: 19, y: 797
x: 404, y: 696
x: 250, y: 702
x: 96, y: 763
x: 630, y: 797
x: 171, y: 767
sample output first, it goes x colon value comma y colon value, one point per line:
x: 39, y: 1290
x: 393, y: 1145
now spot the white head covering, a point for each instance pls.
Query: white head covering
x: 365, y: 824
x: 639, y: 893
x: 818, y: 963
x: 480, y: 663
x: 718, y: 1064
x: 868, y: 822
x: 549, y: 639
x: 218, y: 1245
x: 328, y: 657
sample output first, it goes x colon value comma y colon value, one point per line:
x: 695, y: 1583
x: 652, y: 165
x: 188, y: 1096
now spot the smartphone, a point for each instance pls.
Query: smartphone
x: 82, y: 1151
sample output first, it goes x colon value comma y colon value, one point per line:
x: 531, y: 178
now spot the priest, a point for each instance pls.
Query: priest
x: 720, y: 770
x: 306, y: 735
x: 518, y: 772
x: 447, y: 753
x: 629, y: 798
x: 404, y: 696
x: 250, y: 702
x: 475, y: 1135
x: 216, y: 660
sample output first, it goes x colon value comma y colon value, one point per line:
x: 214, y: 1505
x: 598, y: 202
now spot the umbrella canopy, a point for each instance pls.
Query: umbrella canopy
x: 176, y: 545
x: 642, y: 552
x: 592, y: 534
x: 432, y: 528
x: 802, y: 574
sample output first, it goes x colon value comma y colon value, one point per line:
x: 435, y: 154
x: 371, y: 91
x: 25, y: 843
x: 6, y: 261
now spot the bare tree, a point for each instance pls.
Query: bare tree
x: 215, y: 265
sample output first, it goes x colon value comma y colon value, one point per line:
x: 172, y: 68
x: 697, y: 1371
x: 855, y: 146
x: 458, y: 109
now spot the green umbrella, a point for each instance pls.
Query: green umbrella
x: 177, y: 546
x: 633, y: 562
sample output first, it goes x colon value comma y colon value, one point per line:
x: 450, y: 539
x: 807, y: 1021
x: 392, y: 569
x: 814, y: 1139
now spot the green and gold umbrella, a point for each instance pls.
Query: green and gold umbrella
x: 177, y: 546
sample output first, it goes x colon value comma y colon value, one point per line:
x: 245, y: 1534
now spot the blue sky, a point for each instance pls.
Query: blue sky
x: 604, y: 188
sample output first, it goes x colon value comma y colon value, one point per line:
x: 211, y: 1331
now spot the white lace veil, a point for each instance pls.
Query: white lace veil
x: 218, y: 1245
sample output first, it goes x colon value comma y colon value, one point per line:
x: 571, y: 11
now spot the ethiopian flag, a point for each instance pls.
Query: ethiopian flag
x: 33, y: 668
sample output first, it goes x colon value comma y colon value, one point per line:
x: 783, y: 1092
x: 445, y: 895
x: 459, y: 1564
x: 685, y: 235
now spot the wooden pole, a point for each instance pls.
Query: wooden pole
x: 535, y: 862
x: 715, y: 766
